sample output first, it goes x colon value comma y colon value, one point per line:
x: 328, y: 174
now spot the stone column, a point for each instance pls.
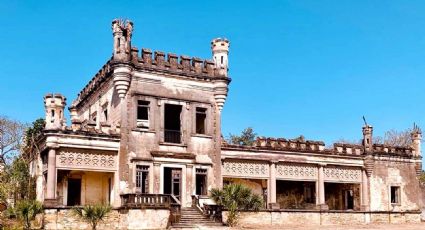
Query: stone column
x: 157, y: 177
x: 189, y: 184
x: 51, y: 175
x: 272, y: 186
x: 365, y: 191
x: 321, y: 188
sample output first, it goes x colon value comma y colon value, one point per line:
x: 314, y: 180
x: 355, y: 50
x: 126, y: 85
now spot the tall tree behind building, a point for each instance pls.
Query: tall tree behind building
x: 247, y: 137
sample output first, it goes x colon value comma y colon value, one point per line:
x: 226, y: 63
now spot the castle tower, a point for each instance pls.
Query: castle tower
x: 122, y: 32
x: 367, y: 137
x: 416, y: 136
x: 220, y: 52
x: 55, y: 105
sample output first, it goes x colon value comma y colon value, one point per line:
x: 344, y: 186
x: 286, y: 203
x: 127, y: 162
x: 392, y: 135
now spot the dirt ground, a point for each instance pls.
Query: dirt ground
x: 419, y: 226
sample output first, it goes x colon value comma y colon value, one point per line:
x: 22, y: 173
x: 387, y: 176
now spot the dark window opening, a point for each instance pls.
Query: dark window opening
x: 74, y: 191
x: 395, y: 195
x: 201, y: 182
x: 201, y: 116
x: 142, y: 180
x: 172, y: 121
x: 309, y: 193
x: 105, y: 115
x: 222, y: 60
x: 172, y: 182
x: 143, y: 114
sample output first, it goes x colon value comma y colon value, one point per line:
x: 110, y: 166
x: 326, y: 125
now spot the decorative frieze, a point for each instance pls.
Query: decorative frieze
x: 85, y: 160
x: 296, y: 171
x: 343, y: 174
x: 246, y: 169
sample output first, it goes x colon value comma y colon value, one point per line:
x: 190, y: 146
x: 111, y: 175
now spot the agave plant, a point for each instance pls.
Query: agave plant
x: 26, y: 210
x: 236, y: 197
x: 92, y: 214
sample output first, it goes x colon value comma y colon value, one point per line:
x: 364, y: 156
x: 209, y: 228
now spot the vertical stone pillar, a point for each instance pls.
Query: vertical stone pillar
x: 272, y: 186
x: 365, y: 191
x: 321, y: 188
x: 51, y: 175
x: 189, y: 184
x: 157, y: 177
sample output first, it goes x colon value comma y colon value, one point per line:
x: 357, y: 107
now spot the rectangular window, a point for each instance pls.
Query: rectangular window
x: 395, y: 194
x: 142, y: 180
x: 172, y: 123
x: 309, y: 193
x: 143, y: 114
x: 201, y: 116
x: 201, y: 182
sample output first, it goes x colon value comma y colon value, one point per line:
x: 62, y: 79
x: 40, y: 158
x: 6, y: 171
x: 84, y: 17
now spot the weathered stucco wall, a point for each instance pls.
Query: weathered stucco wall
x: 392, y: 173
x: 117, y: 219
x: 276, y: 218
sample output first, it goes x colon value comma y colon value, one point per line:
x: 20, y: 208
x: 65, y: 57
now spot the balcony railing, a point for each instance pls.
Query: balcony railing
x: 145, y: 201
x: 172, y: 136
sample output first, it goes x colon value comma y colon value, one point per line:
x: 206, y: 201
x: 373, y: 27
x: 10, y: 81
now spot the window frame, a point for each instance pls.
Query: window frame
x: 397, y: 194
x: 143, y: 123
x: 205, y: 113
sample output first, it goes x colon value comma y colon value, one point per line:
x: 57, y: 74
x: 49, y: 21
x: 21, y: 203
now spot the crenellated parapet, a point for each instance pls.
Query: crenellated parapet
x: 54, y: 105
x: 101, y: 76
x: 349, y: 149
x: 192, y: 67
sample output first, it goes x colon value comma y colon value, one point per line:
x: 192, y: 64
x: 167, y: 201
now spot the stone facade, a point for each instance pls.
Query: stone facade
x: 150, y: 123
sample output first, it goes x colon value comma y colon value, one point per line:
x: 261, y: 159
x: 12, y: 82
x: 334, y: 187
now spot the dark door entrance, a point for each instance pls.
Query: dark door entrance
x: 349, y: 199
x: 172, y: 182
x: 74, y: 191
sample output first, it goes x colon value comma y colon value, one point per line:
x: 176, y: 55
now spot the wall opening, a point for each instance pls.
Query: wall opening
x: 172, y: 123
x: 74, y: 192
x: 201, y: 182
x: 201, y: 116
x: 342, y: 196
x: 142, y: 179
x: 143, y: 114
x: 172, y: 181
x: 395, y: 194
x: 296, y: 194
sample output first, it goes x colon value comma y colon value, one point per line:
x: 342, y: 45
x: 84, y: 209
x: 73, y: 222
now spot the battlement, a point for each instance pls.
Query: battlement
x: 100, y: 77
x: 171, y: 63
x: 54, y: 99
x: 350, y: 149
x: 382, y: 149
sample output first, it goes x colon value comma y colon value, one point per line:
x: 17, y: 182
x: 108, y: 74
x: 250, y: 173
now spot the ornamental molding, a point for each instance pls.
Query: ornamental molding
x: 296, y: 171
x: 85, y: 160
x: 342, y: 174
x: 246, y: 169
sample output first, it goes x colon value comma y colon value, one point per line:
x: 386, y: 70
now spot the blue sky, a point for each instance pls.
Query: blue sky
x: 298, y: 67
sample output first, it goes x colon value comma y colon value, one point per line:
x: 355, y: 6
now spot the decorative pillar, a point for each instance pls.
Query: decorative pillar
x: 272, y: 186
x: 365, y: 191
x: 157, y: 177
x: 321, y: 188
x: 189, y: 184
x: 51, y: 175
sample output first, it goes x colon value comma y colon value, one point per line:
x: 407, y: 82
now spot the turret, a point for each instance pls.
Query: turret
x: 416, y: 136
x: 122, y: 32
x: 367, y: 137
x: 220, y: 52
x: 55, y: 105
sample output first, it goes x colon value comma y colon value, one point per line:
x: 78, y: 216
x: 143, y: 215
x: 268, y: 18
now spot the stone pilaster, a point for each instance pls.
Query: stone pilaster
x: 320, y: 194
x: 272, y: 186
x: 51, y: 175
x: 365, y: 191
x: 156, y: 177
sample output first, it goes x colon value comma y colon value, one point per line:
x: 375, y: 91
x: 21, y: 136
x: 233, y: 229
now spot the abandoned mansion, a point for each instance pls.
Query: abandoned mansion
x: 145, y: 137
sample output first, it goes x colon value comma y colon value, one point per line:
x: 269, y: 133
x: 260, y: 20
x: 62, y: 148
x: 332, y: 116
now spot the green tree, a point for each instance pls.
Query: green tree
x: 247, y: 137
x: 92, y: 214
x: 26, y: 210
x: 236, y: 197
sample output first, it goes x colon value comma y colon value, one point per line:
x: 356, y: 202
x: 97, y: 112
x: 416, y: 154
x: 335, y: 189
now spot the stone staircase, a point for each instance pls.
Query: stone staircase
x: 191, y: 218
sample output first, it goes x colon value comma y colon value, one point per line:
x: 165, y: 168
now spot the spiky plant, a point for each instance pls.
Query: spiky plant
x: 236, y: 197
x: 92, y: 214
x: 26, y: 210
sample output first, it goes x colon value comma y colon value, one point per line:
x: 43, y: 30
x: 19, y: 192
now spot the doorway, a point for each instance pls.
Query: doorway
x: 172, y: 182
x: 349, y: 199
x: 74, y: 191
